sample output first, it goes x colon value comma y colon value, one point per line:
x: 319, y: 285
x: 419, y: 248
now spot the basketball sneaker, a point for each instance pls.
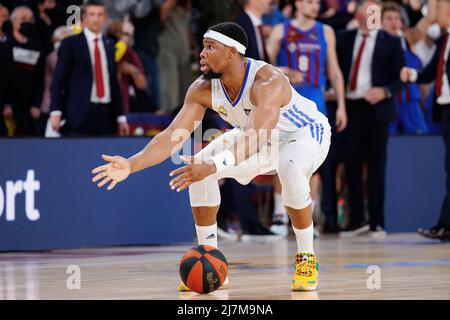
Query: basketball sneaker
x: 280, y: 224
x: 260, y: 233
x: 378, y: 233
x: 306, y: 272
x: 183, y: 288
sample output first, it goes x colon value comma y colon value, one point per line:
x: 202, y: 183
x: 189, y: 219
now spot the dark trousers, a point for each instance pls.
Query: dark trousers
x: 3, y: 131
x: 444, y: 219
x: 27, y: 126
x: 365, y: 139
x: 237, y: 196
x: 328, y: 173
x: 101, y: 121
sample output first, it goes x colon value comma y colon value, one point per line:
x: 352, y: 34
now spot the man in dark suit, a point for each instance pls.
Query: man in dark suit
x: 251, y: 21
x: 370, y: 60
x: 439, y: 69
x: 85, y: 87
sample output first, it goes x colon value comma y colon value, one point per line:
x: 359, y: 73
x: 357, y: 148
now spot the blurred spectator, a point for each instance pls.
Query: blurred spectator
x: 59, y: 35
x: 370, y: 60
x: 413, y: 10
x: 27, y: 77
x: 439, y: 70
x: 411, y: 119
x: 275, y: 15
x: 5, y: 67
x: 118, y: 9
x: 337, y: 13
x: 426, y: 46
x: 251, y: 21
x: 85, y: 87
x: 305, y: 50
x: 131, y: 71
x: 174, y: 58
x: 147, y: 26
x: 45, y: 24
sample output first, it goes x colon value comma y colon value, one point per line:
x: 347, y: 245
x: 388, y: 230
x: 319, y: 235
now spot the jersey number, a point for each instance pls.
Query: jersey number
x: 303, y: 63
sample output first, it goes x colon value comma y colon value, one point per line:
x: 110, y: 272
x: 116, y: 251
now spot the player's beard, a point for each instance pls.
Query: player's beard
x: 212, y: 75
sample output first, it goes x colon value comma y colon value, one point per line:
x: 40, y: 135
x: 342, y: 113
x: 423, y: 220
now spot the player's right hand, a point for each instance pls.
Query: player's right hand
x: 117, y: 170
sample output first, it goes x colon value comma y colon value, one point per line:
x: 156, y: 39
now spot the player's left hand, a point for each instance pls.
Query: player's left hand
x: 192, y: 172
x: 375, y: 95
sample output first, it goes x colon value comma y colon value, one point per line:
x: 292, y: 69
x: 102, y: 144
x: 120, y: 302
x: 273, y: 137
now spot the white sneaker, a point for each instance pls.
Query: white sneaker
x: 261, y: 238
x: 378, y: 234
x: 226, y: 235
x: 353, y: 232
x: 279, y: 229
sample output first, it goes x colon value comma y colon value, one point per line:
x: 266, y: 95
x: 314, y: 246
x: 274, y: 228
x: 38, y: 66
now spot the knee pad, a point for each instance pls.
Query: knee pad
x: 205, y: 193
x: 296, y: 192
x: 297, y: 201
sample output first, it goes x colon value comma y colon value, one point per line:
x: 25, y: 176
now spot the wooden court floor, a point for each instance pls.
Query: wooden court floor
x: 406, y: 265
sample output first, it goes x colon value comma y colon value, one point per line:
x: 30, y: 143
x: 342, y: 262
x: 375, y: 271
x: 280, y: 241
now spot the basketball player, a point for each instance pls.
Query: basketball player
x: 305, y: 51
x: 275, y: 128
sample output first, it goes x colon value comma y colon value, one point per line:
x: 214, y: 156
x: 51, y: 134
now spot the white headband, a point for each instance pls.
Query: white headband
x: 225, y: 40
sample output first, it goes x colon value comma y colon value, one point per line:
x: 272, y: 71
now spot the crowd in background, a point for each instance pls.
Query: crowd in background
x: 158, y: 44
x: 149, y: 56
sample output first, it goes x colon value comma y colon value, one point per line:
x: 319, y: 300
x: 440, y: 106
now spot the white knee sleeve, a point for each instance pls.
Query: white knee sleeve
x: 296, y: 192
x: 205, y: 193
x: 295, y: 169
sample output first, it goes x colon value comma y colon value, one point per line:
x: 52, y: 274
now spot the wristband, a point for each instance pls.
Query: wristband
x: 224, y: 160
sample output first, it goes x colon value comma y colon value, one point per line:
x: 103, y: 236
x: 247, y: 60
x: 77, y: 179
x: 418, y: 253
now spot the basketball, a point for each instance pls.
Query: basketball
x: 203, y: 269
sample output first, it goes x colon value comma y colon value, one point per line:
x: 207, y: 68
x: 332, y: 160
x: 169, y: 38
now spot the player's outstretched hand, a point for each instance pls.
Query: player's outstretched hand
x: 190, y: 173
x: 117, y: 170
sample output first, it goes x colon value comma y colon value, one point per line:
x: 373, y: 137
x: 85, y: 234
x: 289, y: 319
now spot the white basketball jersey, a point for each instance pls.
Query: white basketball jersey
x: 298, y: 113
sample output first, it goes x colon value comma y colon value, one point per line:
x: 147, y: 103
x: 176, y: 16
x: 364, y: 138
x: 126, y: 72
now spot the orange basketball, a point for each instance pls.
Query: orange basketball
x: 203, y: 269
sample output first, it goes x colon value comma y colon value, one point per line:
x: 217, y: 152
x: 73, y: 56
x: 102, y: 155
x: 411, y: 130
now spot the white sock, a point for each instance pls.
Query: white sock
x: 207, y: 235
x: 278, y: 208
x: 305, y: 239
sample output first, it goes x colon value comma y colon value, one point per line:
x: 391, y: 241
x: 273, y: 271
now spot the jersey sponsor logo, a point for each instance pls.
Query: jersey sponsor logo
x: 313, y: 36
x: 292, y: 47
x: 247, y: 111
x: 223, y: 111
